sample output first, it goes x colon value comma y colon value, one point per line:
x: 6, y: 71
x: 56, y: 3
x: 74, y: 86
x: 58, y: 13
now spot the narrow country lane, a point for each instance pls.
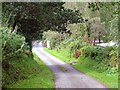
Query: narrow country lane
x: 65, y: 75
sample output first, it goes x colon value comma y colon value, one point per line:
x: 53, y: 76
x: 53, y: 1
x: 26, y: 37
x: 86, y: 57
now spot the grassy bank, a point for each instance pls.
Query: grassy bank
x: 32, y: 74
x: 62, y: 54
x: 87, y: 66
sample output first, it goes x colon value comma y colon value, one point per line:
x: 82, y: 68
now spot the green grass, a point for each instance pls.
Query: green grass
x: 87, y: 66
x: 62, y: 54
x: 37, y: 74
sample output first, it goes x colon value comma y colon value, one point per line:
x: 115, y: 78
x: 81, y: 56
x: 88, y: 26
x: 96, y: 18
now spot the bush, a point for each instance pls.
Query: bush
x: 100, y: 53
x: 87, y: 51
x: 74, y: 45
x: 108, y: 50
x: 107, y: 57
x: 113, y: 62
x: 14, y: 50
x: 12, y: 44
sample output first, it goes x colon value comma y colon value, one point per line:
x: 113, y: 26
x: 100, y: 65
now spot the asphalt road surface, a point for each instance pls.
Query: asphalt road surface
x: 65, y: 75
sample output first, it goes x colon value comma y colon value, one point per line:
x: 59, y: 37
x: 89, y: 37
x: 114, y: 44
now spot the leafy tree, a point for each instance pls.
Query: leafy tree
x: 34, y: 18
x: 109, y: 13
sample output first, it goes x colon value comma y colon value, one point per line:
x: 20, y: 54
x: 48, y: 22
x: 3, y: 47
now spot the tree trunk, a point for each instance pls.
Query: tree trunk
x: 16, y: 21
x: 29, y: 41
x: 99, y: 37
x: 14, y: 24
x: 94, y: 42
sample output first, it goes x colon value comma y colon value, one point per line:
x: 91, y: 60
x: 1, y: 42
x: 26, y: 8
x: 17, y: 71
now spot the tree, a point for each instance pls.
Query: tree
x: 34, y: 18
x: 109, y: 12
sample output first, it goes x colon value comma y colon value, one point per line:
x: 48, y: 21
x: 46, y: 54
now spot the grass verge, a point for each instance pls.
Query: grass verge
x: 63, y: 54
x: 38, y: 74
x: 87, y: 66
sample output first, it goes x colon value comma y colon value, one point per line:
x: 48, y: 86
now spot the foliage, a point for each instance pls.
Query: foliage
x: 34, y: 18
x: 98, y: 5
x: 85, y: 51
x: 54, y: 37
x: 13, y: 48
x: 75, y: 45
x: 12, y: 44
x: 109, y: 19
x: 17, y: 61
x: 106, y: 57
x: 106, y: 62
x: 72, y: 43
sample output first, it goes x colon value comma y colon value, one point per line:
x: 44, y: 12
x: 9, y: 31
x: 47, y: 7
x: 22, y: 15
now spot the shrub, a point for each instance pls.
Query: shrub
x: 107, y: 58
x: 14, y: 57
x: 100, y: 53
x: 86, y: 51
x: 113, y: 62
x: 12, y: 44
x: 107, y: 51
